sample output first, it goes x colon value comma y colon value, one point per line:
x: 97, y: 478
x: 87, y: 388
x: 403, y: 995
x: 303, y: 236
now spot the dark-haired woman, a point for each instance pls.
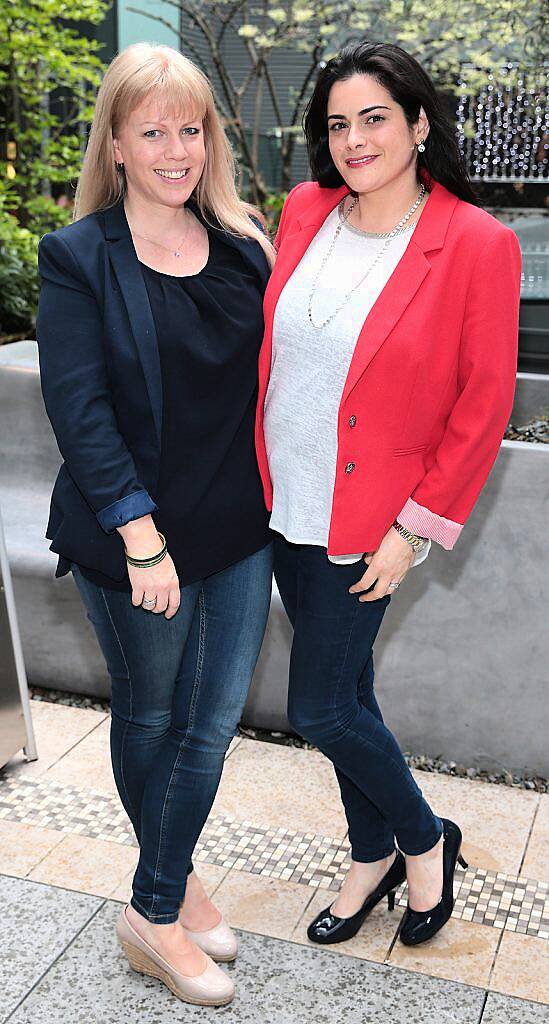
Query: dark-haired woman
x: 386, y: 380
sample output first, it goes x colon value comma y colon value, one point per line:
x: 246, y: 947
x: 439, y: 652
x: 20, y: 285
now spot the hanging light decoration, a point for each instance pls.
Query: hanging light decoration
x: 503, y: 126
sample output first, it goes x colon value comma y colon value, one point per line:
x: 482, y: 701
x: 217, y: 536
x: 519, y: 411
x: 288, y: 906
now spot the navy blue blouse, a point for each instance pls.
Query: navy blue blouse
x: 210, y: 500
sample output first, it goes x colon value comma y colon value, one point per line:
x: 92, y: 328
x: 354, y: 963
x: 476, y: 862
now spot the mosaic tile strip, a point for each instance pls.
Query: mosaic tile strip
x: 500, y: 901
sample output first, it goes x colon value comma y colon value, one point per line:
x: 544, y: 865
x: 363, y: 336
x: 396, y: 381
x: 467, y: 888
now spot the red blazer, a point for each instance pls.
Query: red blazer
x: 431, y: 382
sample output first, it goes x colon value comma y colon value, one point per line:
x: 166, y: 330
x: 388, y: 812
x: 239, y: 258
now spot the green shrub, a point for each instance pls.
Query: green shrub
x: 272, y: 208
x: 44, y: 214
x: 19, y: 282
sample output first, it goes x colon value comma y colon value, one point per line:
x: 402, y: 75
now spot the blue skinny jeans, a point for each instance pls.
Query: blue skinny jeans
x: 331, y: 702
x: 178, y: 690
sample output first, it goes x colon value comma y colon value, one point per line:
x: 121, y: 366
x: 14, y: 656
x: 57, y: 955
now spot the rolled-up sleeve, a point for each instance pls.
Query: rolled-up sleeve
x: 77, y: 394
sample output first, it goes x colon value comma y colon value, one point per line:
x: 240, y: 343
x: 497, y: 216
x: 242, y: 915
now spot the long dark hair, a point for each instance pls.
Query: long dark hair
x: 409, y: 86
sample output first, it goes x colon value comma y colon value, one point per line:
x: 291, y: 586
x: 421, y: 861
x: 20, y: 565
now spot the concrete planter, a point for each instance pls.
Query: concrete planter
x: 462, y: 666
x: 463, y: 663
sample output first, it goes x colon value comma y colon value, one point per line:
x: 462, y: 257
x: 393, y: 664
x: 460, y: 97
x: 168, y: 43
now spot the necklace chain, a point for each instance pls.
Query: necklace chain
x: 168, y: 248
x: 387, y: 236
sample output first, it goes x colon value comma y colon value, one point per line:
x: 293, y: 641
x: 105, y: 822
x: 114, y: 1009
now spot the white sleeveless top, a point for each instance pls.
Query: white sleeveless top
x: 308, y: 372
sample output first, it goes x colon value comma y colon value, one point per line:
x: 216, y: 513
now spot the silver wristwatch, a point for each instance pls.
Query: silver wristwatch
x: 416, y: 542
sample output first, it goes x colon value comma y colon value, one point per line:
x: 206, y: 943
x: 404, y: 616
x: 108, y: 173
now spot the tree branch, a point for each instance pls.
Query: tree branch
x: 274, y: 97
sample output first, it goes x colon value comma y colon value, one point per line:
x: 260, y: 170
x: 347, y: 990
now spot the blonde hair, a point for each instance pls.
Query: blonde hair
x: 137, y: 73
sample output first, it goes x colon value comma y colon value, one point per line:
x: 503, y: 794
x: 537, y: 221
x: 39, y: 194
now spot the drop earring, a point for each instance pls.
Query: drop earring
x: 421, y: 147
x: 119, y: 167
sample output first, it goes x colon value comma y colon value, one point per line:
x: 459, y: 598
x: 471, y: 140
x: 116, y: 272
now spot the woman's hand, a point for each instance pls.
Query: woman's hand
x: 389, y: 564
x: 158, y: 583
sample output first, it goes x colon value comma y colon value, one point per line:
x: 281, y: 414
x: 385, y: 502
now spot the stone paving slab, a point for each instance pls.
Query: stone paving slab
x: 60, y: 963
x: 504, y: 1010
x: 536, y: 860
x: 37, y: 922
x: 58, y: 730
x: 522, y: 968
x: 277, y: 981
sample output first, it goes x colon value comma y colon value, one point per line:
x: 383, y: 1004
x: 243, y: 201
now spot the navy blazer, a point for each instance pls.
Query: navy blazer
x: 101, y: 382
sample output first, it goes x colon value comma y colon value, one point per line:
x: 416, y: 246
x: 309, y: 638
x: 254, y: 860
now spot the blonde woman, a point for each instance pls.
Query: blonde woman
x: 149, y: 328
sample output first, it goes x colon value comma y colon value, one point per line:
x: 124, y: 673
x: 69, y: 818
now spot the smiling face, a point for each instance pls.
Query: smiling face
x: 370, y: 140
x: 163, y: 155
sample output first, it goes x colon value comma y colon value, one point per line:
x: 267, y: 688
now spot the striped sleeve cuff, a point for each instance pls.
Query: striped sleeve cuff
x: 425, y: 523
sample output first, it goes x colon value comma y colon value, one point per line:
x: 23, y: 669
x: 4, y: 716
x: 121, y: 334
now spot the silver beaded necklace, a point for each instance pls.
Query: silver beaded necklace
x: 387, y: 235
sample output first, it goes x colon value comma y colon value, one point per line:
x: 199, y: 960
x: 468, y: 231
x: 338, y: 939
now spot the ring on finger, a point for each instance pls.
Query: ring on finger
x: 149, y: 603
x: 393, y: 585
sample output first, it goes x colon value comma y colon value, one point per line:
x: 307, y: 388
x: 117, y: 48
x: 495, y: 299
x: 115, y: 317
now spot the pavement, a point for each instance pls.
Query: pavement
x: 272, y: 854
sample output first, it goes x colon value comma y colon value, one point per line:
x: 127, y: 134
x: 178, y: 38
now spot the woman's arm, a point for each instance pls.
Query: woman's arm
x: 441, y: 502
x: 77, y: 394
x: 444, y: 498
x: 159, y: 582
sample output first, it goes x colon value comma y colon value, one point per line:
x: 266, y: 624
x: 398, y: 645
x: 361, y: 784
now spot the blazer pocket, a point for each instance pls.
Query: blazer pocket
x: 411, y: 450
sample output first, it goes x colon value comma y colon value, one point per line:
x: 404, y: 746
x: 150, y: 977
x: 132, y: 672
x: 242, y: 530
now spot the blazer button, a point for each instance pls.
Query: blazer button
x: 349, y: 467
x: 352, y: 421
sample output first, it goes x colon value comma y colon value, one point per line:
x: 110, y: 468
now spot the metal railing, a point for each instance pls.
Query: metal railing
x: 16, y: 730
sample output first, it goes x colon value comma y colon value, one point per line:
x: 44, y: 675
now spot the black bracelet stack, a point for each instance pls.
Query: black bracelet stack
x: 147, y: 563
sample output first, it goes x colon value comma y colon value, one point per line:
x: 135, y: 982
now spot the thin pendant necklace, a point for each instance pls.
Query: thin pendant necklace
x: 175, y: 252
x: 388, y: 236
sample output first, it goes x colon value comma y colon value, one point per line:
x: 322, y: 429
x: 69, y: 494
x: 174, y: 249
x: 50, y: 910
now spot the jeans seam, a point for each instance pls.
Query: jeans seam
x: 177, y: 762
x: 342, y: 669
x: 122, y: 775
x: 127, y: 724
x: 199, y: 661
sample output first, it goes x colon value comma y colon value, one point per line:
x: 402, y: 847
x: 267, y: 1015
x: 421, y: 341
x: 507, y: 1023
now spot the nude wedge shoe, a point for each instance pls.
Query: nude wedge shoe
x: 219, y: 942
x: 211, y: 988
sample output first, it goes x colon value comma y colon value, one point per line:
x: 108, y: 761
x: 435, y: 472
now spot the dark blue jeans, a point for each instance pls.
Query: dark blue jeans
x: 332, y: 704
x: 178, y: 689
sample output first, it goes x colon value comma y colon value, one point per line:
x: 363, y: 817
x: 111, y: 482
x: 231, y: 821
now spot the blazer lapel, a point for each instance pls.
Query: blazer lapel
x: 401, y: 287
x: 387, y: 311
x: 404, y: 282
x: 293, y: 248
x: 125, y: 265
x: 297, y: 240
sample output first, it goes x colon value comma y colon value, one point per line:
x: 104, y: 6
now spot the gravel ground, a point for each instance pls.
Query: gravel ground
x: 420, y: 762
x: 536, y: 430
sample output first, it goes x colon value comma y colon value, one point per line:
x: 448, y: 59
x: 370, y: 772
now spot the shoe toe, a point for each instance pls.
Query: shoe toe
x: 219, y: 942
x: 210, y: 988
x: 213, y: 985
x: 323, y: 926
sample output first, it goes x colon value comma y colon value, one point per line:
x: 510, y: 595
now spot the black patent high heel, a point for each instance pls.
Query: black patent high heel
x: 419, y: 925
x: 327, y: 928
